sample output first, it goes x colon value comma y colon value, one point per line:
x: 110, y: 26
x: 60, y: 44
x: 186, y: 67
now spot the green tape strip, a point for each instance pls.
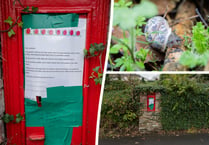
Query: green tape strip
x: 60, y: 112
x: 38, y: 21
x: 58, y: 136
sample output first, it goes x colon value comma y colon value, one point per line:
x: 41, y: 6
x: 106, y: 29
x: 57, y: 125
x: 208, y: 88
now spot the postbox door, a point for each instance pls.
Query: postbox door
x: 53, y: 47
x: 151, y: 102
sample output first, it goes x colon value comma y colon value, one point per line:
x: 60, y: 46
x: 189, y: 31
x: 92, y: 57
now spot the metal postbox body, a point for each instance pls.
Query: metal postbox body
x: 96, y: 13
x: 151, y: 102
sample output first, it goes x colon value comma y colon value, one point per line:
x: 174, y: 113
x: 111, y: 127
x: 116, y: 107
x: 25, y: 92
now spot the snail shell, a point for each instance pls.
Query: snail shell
x: 158, y: 32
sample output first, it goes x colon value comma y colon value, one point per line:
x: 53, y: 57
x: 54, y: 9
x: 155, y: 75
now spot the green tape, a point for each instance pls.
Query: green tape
x: 58, y: 136
x: 38, y: 21
x: 60, y: 112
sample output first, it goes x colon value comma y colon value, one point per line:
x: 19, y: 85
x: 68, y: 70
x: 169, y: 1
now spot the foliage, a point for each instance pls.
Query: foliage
x: 198, y: 52
x: 10, y: 118
x: 148, y: 87
x: 131, y: 19
x: 123, y: 3
x: 185, y: 103
x: 120, y: 108
x: 96, y: 50
x: 10, y: 31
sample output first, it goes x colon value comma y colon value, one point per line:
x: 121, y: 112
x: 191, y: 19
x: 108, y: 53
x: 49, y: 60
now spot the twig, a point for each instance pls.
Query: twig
x: 197, y: 11
x: 19, y: 3
x: 2, y: 31
x: 166, y: 12
x: 181, y: 20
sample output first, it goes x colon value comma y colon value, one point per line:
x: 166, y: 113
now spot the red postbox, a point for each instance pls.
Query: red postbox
x: 151, y: 102
x: 72, y: 23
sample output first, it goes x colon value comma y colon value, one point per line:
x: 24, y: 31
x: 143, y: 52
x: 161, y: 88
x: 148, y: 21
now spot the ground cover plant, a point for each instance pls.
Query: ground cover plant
x: 130, y: 50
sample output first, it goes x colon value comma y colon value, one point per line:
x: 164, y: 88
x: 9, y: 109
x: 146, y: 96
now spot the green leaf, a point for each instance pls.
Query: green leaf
x: 128, y: 4
x: 92, y: 51
x: 7, y: 118
x: 115, y: 48
x: 20, y: 24
x: 140, y: 65
x: 85, y: 52
x: 26, y: 9
x: 96, y: 69
x: 142, y: 54
x: 128, y: 18
x: 9, y: 21
x: 34, y: 9
x: 98, y: 81
x: 192, y: 60
x: 19, y: 118
x: 100, y: 75
x: 146, y: 9
x: 11, y: 117
x: 11, y: 33
x: 200, y: 38
x: 175, y: 106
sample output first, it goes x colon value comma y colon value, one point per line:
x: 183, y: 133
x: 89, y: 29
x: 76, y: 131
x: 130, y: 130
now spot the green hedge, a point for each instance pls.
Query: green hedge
x: 184, y: 104
x: 120, y: 109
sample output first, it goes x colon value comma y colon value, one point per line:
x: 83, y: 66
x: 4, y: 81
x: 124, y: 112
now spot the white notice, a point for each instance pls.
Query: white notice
x: 53, y: 57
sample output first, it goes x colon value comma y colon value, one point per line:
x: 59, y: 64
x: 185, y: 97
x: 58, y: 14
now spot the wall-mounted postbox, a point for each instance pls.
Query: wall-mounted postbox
x: 46, y: 76
x: 151, y: 102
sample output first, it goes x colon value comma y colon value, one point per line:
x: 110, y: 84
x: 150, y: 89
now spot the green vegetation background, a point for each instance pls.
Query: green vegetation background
x: 184, y: 103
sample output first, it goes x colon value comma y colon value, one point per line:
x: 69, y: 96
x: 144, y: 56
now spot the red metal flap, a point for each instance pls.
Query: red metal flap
x: 35, y: 135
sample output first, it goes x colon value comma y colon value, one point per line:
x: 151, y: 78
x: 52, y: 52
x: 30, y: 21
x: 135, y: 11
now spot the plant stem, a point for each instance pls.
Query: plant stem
x: 100, y: 61
x: 132, y: 31
x: 2, y: 31
x: 20, y: 4
x: 120, y: 41
x: 111, y: 64
x: 197, y: 11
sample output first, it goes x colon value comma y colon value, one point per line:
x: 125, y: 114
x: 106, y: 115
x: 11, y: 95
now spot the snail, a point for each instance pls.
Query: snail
x: 160, y: 35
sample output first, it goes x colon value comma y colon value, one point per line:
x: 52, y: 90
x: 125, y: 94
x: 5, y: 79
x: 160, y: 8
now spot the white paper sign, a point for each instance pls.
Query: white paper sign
x: 53, y: 57
x: 151, y: 101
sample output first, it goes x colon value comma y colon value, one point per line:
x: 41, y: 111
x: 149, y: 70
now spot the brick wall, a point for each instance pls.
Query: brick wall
x: 149, y: 121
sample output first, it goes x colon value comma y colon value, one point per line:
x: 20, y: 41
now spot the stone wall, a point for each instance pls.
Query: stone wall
x: 2, y: 108
x: 149, y: 121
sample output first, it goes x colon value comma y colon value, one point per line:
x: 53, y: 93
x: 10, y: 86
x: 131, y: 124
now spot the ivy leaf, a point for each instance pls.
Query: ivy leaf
x: 9, y: 21
x: 34, y: 9
x: 91, y: 51
x: 18, y: 118
x: 26, y: 9
x: 11, y: 33
x: 96, y: 69
x: 20, y: 24
x: 100, y: 75
x: 98, y: 81
x: 7, y: 118
x: 85, y: 52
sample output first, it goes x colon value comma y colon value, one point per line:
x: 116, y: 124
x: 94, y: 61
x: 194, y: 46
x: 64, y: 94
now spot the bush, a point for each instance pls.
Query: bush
x: 185, y: 103
x: 120, y: 109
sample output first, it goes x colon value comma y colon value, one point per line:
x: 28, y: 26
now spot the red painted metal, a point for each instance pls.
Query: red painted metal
x: 148, y: 97
x: 97, y: 13
x: 35, y: 135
